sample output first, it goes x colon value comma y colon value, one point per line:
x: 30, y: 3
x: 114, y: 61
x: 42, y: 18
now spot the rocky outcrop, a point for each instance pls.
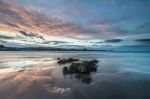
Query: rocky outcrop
x: 64, y: 61
x: 81, y: 67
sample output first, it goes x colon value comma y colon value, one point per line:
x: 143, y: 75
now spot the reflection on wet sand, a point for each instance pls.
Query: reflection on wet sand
x: 25, y: 85
x: 41, y: 84
x: 85, y: 78
x: 115, y: 78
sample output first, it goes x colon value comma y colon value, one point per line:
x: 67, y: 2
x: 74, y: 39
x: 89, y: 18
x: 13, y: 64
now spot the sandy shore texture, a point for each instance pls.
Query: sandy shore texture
x: 30, y: 85
x: 41, y: 85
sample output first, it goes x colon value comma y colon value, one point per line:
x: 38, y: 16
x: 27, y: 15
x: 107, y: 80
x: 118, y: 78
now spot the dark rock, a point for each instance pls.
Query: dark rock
x: 65, y: 70
x: 84, y: 67
x: 64, y: 61
x: 82, y: 70
x: 81, y: 67
x: 58, y: 58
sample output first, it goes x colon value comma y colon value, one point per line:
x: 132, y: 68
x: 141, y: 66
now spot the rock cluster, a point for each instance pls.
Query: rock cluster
x: 81, y: 67
x: 64, y: 61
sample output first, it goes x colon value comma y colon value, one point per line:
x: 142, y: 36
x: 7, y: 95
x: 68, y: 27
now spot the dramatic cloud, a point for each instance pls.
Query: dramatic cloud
x: 113, y: 40
x: 6, y: 37
x: 73, y: 22
x: 145, y: 41
x: 32, y: 35
x: 17, y: 18
x: 56, y: 42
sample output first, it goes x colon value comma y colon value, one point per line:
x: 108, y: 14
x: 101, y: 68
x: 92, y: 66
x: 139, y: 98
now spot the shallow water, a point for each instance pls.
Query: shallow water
x: 118, y: 76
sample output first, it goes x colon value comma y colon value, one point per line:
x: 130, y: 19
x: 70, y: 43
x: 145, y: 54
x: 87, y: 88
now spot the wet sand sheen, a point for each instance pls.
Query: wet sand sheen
x: 114, y: 79
x: 42, y: 85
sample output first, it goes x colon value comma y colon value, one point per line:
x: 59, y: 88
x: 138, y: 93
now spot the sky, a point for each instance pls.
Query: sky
x: 74, y: 23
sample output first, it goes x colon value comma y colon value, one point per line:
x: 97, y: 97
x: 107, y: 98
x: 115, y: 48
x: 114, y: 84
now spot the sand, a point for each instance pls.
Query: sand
x: 41, y: 84
x: 29, y: 85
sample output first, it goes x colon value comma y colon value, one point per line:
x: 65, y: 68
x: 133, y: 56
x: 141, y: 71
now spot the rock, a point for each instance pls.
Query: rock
x: 58, y: 58
x: 64, y: 61
x: 82, y: 70
x: 85, y: 66
x: 65, y: 70
x: 81, y: 67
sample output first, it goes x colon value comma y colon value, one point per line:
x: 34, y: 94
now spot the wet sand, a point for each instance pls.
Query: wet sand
x: 43, y: 85
x: 31, y: 85
x: 119, y: 76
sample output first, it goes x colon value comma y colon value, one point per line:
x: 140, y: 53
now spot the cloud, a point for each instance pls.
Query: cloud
x: 6, y: 37
x: 56, y: 42
x: 31, y: 35
x: 35, y: 22
x: 145, y: 41
x: 17, y: 18
x: 143, y: 28
x: 28, y: 39
x: 113, y: 41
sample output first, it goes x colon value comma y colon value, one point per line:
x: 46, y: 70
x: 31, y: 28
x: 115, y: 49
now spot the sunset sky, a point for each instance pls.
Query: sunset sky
x: 74, y: 23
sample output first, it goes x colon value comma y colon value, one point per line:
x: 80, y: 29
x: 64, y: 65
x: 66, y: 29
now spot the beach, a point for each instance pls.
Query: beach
x: 36, y: 75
